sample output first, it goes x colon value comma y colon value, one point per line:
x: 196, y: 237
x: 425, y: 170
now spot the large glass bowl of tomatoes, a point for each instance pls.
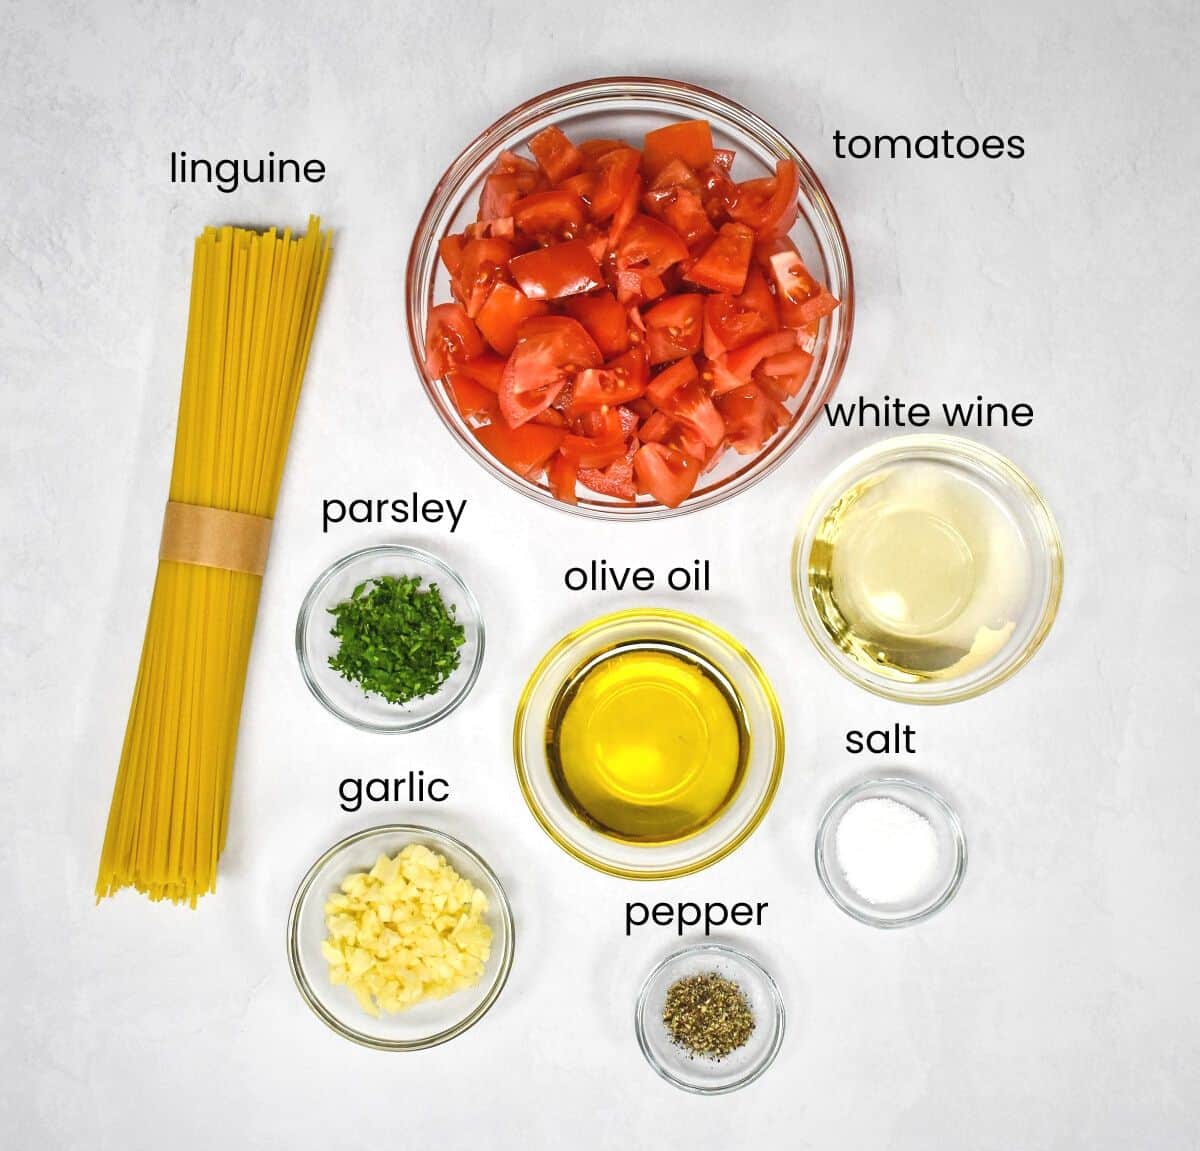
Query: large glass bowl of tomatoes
x: 630, y: 298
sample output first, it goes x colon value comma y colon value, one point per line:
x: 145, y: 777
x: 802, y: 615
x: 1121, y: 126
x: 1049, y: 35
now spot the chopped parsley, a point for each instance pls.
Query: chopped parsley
x: 396, y: 639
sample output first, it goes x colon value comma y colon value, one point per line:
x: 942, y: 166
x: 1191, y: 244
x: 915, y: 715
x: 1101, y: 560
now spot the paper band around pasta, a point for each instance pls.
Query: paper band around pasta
x: 211, y: 537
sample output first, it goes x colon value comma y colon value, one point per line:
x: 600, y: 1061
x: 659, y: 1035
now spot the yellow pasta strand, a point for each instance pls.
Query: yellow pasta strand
x: 252, y: 313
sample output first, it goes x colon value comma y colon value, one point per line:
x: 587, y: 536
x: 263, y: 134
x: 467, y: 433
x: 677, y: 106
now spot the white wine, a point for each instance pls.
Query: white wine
x: 919, y: 572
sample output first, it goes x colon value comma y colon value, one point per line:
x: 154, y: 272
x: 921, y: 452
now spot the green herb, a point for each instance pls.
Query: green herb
x: 707, y: 1015
x: 396, y: 640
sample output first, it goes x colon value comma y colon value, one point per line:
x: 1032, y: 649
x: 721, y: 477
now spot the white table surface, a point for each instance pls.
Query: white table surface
x: 1054, y: 1004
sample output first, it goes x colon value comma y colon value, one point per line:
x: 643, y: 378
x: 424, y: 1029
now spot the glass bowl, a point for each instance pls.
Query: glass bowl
x: 710, y: 1076
x: 626, y: 107
x: 761, y: 715
x: 943, y: 881
x: 315, y: 644
x: 987, y: 474
x: 426, y: 1024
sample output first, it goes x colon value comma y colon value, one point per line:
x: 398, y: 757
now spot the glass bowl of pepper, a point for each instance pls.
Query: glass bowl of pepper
x: 706, y: 422
x: 709, y: 1019
x: 390, y: 639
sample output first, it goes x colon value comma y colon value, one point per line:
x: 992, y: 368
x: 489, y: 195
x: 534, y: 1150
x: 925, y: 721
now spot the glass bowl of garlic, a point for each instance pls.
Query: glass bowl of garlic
x: 400, y: 937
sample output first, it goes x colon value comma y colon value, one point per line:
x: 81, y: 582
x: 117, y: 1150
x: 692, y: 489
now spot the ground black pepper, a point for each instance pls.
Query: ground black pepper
x: 707, y: 1015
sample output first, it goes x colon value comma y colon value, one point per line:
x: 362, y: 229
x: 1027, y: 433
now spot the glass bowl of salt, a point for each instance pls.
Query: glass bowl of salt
x: 891, y: 852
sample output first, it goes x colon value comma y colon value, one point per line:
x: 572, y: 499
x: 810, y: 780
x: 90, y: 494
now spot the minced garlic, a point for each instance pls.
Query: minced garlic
x: 408, y: 930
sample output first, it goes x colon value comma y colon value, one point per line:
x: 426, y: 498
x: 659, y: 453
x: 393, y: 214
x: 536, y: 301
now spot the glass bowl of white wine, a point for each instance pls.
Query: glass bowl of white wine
x: 928, y: 569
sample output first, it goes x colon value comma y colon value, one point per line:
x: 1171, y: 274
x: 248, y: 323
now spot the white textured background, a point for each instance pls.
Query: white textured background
x: 1055, y: 1004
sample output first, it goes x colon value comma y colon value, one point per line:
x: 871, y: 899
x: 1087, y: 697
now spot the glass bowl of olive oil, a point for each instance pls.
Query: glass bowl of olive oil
x: 928, y: 569
x: 648, y: 743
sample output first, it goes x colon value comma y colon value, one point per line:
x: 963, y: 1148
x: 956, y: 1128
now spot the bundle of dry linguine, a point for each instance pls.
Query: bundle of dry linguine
x: 254, y: 303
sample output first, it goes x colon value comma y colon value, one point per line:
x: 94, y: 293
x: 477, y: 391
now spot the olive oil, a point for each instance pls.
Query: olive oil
x: 647, y: 742
x: 919, y: 573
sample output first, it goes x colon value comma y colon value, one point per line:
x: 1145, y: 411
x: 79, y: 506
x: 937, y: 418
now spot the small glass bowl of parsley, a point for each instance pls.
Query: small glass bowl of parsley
x: 390, y: 639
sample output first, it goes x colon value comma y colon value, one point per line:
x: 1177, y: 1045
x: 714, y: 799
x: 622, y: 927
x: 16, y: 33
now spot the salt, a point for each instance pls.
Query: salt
x: 887, y: 851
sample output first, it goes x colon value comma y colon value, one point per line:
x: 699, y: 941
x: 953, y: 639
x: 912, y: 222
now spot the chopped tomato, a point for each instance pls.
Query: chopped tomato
x: 674, y: 328
x: 483, y: 262
x: 589, y: 452
x: 557, y: 271
x: 751, y: 418
x: 593, y: 149
x: 549, y: 351
x: 562, y: 475
x: 500, y: 192
x: 790, y: 363
x: 582, y: 185
x: 682, y: 210
x: 511, y: 178
x: 665, y: 383
x: 718, y: 378
x: 614, y: 480
x: 618, y: 382
x: 648, y: 243
x: 503, y: 312
x: 599, y: 443
x: 769, y: 246
x: 688, y: 140
x: 784, y: 375
x: 606, y: 421
x: 802, y: 300
x: 731, y: 321
x: 616, y: 304
x: 769, y: 205
x: 718, y: 192
x: 686, y: 214
x: 616, y: 173
x: 756, y: 297
x: 596, y: 240
x: 450, y: 337
x: 625, y: 211
x: 501, y: 228
x: 605, y: 320
x: 675, y: 175
x: 715, y: 457
x: 744, y: 360
x: 691, y: 404
x: 522, y: 450
x: 486, y: 370
x: 656, y: 199
x: 726, y: 261
x: 450, y: 249
x: 721, y: 318
x: 637, y: 286
x: 509, y: 161
x: 555, y: 214
x: 473, y: 400
x: 661, y: 428
x: 666, y: 474
x: 558, y: 157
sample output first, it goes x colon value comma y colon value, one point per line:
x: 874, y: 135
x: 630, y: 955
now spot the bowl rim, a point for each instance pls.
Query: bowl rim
x: 901, y: 783
x: 942, y: 448
x: 653, y: 615
x: 363, y: 1039
x: 313, y: 595
x: 633, y: 88
x: 778, y: 1017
